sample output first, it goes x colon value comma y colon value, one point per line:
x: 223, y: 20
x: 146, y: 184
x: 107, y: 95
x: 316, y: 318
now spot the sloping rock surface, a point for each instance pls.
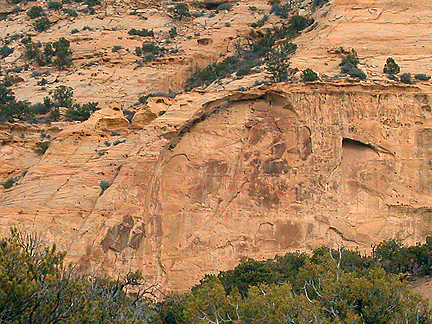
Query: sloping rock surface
x: 223, y: 176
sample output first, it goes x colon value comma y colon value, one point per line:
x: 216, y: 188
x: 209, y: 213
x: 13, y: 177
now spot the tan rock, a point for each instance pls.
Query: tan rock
x: 224, y: 176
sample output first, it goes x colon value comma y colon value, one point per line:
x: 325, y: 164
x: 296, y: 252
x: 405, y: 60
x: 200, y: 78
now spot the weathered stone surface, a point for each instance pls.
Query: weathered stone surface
x: 224, y: 176
x: 200, y: 181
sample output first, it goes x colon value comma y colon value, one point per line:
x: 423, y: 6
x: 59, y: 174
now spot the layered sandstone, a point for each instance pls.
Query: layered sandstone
x: 224, y: 176
x: 198, y: 182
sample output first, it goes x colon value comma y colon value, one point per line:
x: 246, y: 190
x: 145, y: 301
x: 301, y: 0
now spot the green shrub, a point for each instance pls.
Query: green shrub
x: 422, y: 77
x: 92, y: 3
x: 55, y: 5
x: 319, y: 3
x: 42, y: 147
x: 351, y: 58
x: 116, y: 48
x: 31, y: 49
x: 143, y: 32
x: 150, y: 48
x: 63, y: 97
x: 213, y: 72
x: 70, y: 12
x: 35, y: 12
x: 42, y: 24
x: 9, y: 182
x: 353, y: 71
x: 327, y: 287
x: 298, y: 23
x: 281, y: 10
x: 309, y: 75
x: 173, y: 32
x: 104, y: 185
x: 5, y: 51
x: 406, y: 78
x: 224, y: 6
x: 81, y: 112
x: 39, y: 287
x: 277, y: 62
x: 180, y: 11
x: 391, y: 67
x: 260, y: 22
x: 62, y: 53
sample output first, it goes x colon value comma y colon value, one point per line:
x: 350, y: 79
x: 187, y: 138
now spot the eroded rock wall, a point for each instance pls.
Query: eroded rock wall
x: 224, y: 176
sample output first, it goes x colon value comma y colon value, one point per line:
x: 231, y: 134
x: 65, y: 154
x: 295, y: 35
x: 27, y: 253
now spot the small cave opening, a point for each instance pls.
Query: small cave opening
x: 354, y: 144
x: 353, y: 150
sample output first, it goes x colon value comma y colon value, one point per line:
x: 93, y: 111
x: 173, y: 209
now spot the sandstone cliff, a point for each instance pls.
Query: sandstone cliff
x: 223, y: 176
x: 200, y: 181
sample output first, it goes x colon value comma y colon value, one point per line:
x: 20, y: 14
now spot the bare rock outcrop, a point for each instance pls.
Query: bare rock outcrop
x: 224, y: 176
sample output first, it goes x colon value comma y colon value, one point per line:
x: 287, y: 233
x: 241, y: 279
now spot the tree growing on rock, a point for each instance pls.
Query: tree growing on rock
x: 391, y: 67
x: 277, y: 62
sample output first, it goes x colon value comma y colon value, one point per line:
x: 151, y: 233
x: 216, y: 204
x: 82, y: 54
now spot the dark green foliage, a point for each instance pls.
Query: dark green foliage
x: 277, y: 62
x: 70, y: 12
x: 170, y: 311
x: 35, y: 12
x: 150, y: 51
x: 63, y: 97
x: 10, y: 108
x: 309, y: 75
x: 62, y: 53
x: 260, y: 22
x: 349, y: 66
x: 56, y: 53
x: 37, y: 287
x: 353, y: 71
x: 180, y: 11
x: 91, y: 3
x: 31, y: 49
x: 15, y: 110
x: 55, y: 5
x: 150, y: 48
x: 42, y: 24
x: 260, y: 47
x: 104, y: 185
x: 41, y: 147
x: 5, y: 51
x: 351, y: 58
x: 412, y: 260
x: 173, y: 32
x: 9, y: 182
x: 281, y: 10
x: 116, y: 48
x: 81, y: 112
x: 247, y: 274
x: 143, y: 32
x: 213, y: 72
x: 319, y: 3
x: 298, y: 23
x: 6, y: 95
x: 406, y: 78
x: 422, y: 77
x: 331, y: 286
x: 224, y: 6
x: 391, y: 67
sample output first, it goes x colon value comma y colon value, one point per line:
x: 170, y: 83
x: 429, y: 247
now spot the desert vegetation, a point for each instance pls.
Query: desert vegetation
x: 12, y: 109
x: 326, y: 286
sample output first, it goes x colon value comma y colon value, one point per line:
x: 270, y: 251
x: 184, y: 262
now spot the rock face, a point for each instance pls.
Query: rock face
x: 191, y: 185
x: 224, y: 176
